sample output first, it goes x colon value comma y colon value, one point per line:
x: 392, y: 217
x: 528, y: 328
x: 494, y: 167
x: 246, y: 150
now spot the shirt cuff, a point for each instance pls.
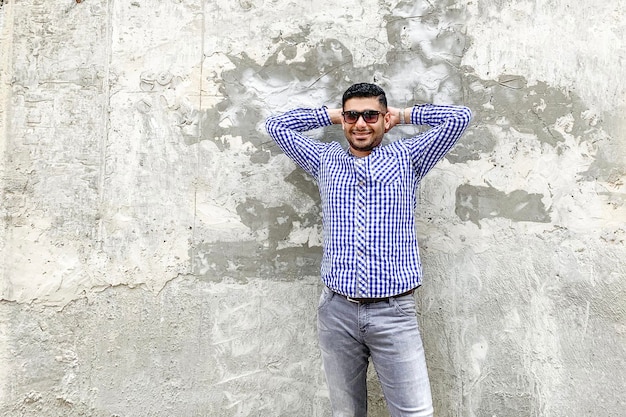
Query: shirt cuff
x: 323, y: 117
x: 418, y: 113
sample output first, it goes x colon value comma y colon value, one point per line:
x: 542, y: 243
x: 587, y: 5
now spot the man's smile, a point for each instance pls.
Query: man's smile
x: 361, y: 134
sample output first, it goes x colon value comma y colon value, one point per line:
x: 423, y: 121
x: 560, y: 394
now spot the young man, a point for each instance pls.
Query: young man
x: 370, y: 264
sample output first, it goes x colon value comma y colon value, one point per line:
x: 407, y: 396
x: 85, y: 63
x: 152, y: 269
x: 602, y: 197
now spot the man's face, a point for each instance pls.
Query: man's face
x: 361, y: 135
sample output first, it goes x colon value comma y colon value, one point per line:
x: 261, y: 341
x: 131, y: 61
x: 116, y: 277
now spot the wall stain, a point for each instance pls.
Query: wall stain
x: 244, y: 260
x: 476, y: 203
x: 269, y: 257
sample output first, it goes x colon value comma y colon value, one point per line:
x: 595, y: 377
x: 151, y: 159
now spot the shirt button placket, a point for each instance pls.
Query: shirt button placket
x: 361, y: 226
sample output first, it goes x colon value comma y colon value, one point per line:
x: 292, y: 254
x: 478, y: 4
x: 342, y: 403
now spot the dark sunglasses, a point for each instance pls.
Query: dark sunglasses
x: 369, y: 116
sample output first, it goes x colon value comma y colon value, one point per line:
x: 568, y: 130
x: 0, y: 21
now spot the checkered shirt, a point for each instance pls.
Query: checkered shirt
x: 368, y: 204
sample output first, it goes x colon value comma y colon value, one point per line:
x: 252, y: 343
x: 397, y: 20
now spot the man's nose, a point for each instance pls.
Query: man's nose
x: 360, y: 120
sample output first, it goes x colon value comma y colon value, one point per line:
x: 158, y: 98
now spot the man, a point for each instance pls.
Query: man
x: 370, y: 264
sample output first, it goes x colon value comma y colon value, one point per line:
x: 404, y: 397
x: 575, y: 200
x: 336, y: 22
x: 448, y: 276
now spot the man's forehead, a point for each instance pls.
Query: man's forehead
x: 362, y: 103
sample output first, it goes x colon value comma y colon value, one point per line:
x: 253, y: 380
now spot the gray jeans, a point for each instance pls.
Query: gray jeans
x: 387, y: 331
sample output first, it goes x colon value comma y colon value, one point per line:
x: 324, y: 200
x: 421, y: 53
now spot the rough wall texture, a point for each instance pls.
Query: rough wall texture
x: 160, y: 255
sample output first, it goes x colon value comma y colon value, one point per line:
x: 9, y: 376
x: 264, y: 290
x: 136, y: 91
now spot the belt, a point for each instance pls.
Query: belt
x: 374, y: 300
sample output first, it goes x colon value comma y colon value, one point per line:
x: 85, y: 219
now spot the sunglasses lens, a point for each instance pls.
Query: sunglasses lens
x: 370, y: 116
x: 351, y: 116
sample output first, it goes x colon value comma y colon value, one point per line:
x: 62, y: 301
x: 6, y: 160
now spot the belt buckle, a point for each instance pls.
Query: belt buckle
x: 352, y: 300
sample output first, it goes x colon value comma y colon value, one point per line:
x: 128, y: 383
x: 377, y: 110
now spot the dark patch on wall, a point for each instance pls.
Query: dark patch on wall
x: 243, y: 105
x: 511, y: 104
x: 304, y: 183
x: 239, y: 260
x: 477, y: 142
x: 609, y: 164
x: 260, y: 157
x: 329, y: 57
x: 477, y: 203
x: 278, y: 220
x: 243, y: 260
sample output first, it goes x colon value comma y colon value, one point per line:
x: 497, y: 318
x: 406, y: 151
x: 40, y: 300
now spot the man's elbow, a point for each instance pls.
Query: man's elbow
x: 466, y: 115
x: 271, y: 125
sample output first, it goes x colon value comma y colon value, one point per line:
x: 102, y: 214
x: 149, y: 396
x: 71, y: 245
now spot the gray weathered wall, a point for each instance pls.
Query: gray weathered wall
x: 160, y: 255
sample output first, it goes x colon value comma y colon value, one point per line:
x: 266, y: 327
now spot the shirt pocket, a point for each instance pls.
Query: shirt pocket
x: 385, y: 171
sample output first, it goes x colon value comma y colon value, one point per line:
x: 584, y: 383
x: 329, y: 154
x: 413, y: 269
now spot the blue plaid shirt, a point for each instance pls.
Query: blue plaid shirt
x: 368, y: 204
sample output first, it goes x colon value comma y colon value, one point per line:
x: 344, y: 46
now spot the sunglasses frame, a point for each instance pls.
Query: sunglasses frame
x: 367, y: 116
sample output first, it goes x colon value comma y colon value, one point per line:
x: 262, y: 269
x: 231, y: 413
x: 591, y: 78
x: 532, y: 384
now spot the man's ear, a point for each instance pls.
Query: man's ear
x: 387, y: 121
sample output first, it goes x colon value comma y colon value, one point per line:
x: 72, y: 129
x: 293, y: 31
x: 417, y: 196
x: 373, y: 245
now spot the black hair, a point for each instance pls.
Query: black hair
x: 365, y: 90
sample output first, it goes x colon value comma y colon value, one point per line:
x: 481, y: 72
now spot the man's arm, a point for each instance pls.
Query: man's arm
x: 447, y: 125
x: 287, y: 131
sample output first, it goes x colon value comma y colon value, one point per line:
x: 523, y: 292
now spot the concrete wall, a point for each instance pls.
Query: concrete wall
x: 160, y: 255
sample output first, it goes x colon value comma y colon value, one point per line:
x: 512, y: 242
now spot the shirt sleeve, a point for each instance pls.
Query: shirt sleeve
x: 287, y: 131
x: 447, y: 125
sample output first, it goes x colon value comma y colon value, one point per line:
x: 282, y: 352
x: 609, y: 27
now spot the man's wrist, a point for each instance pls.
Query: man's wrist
x: 407, y: 115
x: 402, y: 116
x: 334, y: 115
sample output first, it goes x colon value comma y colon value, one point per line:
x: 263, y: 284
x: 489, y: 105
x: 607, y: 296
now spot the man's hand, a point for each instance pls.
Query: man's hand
x: 396, y: 117
x: 335, y: 116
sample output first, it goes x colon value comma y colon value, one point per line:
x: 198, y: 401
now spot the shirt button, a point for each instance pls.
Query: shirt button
x: 361, y: 182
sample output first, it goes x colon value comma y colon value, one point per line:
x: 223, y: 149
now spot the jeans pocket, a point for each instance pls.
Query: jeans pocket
x: 405, y: 305
x: 325, y: 297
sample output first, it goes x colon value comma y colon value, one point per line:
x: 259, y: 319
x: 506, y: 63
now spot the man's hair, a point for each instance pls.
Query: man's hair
x: 364, y: 90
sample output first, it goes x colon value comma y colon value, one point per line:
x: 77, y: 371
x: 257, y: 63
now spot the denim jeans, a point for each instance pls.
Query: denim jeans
x: 387, y: 331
